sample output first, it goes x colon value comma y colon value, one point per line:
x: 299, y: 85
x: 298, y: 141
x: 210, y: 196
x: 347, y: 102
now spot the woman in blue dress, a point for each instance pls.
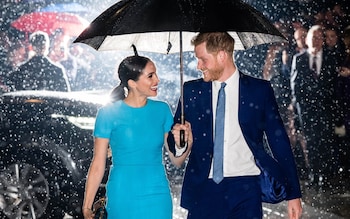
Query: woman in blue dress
x: 136, y: 128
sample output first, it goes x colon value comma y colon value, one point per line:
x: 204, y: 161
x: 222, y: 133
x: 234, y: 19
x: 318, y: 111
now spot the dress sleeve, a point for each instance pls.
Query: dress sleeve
x: 103, y: 126
x: 168, y: 118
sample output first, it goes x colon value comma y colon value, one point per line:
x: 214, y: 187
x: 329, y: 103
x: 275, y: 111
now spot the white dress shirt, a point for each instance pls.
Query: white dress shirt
x: 238, y: 158
x: 318, y: 61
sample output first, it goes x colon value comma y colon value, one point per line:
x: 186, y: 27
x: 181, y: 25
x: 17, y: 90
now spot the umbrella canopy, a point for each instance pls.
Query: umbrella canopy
x: 50, y: 21
x: 153, y: 25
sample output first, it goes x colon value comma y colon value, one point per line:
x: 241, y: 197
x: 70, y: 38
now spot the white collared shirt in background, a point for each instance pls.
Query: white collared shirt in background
x: 318, y: 61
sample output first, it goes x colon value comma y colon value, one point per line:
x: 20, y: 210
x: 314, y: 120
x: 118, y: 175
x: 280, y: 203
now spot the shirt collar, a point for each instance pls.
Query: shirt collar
x: 234, y: 78
x: 318, y: 54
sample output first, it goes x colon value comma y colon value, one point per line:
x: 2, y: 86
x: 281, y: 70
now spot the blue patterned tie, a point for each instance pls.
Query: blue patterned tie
x: 218, y: 155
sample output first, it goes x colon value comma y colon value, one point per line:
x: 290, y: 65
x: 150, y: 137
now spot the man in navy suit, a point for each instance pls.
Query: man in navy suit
x: 251, y: 114
x: 313, y: 80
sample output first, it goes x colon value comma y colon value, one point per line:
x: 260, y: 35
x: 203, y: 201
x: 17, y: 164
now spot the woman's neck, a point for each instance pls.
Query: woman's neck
x: 135, y: 101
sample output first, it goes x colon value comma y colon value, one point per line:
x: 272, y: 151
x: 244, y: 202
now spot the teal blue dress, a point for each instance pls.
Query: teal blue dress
x: 137, y: 186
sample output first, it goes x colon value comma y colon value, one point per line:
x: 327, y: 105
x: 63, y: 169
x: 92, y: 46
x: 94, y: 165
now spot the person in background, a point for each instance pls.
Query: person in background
x: 334, y: 45
x: 299, y: 37
x: 4, y: 45
x: 17, y: 54
x: 59, y: 53
x: 4, y: 60
x: 39, y: 73
x: 84, y: 77
x: 313, y: 77
x: 58, y: 49
x: 342, y: 128
x: 77, y: 63
x: 279, y: 77
x: 227, y: 185
x: 135, y: 127
x: 295, y: 132
x: 299, y: 46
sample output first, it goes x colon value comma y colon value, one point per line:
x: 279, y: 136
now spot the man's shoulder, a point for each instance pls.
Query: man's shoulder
x: 53, y: 65
x: 248, y: 79
x: 197, y: 87
x: 329, y: 58
x: 40, y: 62
x: 302, y: 55
x: 199, y: 82
x: 195, y: 81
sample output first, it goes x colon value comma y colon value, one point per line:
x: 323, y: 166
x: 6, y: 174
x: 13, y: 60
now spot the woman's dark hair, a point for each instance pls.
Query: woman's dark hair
x: 129, y: 69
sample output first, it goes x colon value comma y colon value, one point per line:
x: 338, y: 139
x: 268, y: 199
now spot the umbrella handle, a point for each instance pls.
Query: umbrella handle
x: 182, y: 138
x: 182, y: 134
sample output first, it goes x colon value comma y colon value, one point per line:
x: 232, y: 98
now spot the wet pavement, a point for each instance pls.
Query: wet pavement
x: 318, y: 203
x: 334, y: 199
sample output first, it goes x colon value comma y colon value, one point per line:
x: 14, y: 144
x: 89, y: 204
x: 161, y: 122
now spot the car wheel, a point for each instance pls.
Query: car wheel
x: 24, y: 191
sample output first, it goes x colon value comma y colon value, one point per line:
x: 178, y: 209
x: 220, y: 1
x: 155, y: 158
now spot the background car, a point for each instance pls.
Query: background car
x: 45, y: 152
x: 46, y: 149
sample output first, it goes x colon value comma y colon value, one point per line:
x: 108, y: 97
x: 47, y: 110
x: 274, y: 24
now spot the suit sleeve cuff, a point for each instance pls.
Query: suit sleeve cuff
x: 180, y: 151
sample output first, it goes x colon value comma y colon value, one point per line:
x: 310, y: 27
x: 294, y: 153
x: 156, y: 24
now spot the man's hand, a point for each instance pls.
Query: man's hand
x: 188, y: 133
x: 294, y: 208
x: 344, y: 71
x: 340, y: 131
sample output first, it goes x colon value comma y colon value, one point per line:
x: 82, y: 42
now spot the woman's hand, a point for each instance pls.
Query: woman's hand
x: 88, y: 213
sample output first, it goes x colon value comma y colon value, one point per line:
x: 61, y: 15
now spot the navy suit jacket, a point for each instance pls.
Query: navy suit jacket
x: 316, y: 97
x: 258, y: 117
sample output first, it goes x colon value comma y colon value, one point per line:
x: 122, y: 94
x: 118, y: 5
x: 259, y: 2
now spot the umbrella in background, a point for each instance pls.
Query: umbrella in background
x: 167, y: 26
x: 71, y: 7
x: 48, y: 22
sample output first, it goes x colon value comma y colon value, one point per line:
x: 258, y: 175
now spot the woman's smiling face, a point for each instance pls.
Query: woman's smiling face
x: 147, y: 84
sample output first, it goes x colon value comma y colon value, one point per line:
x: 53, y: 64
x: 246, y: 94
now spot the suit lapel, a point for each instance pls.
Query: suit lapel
x: 242, y: 104
x: 207, y: 104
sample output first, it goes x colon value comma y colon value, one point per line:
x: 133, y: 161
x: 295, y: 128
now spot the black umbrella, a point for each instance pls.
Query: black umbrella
x: 163, y: 25
x: 163, y: 19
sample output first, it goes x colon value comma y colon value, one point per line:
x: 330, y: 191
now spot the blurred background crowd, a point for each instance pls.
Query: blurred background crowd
x: 315, y: 110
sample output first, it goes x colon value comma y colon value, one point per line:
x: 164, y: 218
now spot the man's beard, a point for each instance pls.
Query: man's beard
x: 214, y: 74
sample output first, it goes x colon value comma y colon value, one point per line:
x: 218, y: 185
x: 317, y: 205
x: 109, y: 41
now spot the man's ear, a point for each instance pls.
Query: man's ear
x: 222, y: 55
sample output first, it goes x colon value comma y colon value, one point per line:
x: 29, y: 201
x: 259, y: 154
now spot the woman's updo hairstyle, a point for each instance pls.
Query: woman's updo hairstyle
x: 129, y: 69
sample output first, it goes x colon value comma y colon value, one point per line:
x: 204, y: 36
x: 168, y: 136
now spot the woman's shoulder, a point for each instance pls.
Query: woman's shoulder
x: 111, y: 106
x: 158, y: 105
x: 155, y: 102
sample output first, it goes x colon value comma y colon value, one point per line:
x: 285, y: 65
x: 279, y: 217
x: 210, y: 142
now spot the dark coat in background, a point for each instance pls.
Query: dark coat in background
x: 315, y: 99
x: 39, y: 73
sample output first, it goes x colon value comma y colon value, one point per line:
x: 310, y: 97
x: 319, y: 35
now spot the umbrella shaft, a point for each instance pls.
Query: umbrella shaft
x: 181, y: 81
